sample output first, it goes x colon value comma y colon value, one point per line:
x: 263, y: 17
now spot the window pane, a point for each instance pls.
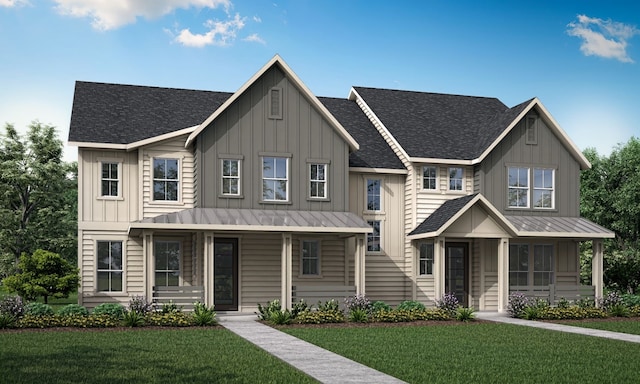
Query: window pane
x: 281, y: 167
x: 116, y: 281
x: 116, y: 255
x: 105, y: 170
x: 114, y: 171
x: 172, y: 190
x: 268, y: 167
x: 161, y: 259
x: 158, y: 190
x: 173, y: 279
x: 172, y: 169
x: 158, y: 169
x: 280, y: 190
x: 103, y: 281
x: 321, y: 171
x: 161, y: 279
x: 268, y: 187
x: 103, y: 255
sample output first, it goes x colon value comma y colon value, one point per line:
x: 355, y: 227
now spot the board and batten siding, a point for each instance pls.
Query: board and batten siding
x: 168, y: 149
x: 92, y: 206
x: 386, y: 278
x: 245, y: 131
x: 549, y: 152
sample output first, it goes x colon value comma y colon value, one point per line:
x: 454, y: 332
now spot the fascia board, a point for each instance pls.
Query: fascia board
x: 378, y: 170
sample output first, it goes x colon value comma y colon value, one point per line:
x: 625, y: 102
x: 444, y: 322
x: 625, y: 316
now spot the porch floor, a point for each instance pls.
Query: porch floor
x: 322, y: 365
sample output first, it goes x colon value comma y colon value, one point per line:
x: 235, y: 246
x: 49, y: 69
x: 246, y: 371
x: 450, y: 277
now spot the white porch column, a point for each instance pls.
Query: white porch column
x: 359, y: 265
x: 597, y: 267
x: 503, y: 274
x: 439, y: 272
x: 149, y: 263
x: 207, y: 267
x: 286, y: 277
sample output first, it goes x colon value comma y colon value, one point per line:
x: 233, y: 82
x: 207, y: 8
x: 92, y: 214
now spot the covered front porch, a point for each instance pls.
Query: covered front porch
x: 235, y: 259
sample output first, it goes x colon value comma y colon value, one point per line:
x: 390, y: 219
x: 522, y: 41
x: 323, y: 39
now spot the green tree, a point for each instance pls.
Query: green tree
x: 43, y: 274
x: 37, y: 196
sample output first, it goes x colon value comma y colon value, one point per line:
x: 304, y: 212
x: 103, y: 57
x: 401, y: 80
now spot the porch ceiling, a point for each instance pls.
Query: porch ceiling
x: 567, y: 227
x: 218, y: 219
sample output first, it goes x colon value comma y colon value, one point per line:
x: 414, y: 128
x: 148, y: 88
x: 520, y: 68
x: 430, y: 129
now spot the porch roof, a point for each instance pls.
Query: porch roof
x: 226, y: 219
x: 550, y: 226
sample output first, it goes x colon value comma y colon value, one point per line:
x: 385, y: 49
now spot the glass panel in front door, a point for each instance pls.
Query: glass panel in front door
x: 224, y: 271
x: 455, y: 281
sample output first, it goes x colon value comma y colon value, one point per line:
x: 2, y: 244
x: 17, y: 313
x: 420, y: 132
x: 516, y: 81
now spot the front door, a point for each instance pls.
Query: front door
x: 225, y: 270
x: 456, y: 277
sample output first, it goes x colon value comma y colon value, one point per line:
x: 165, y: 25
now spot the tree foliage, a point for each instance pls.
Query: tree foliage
x: 610, y: 196
x: 43, y: 274
x: 38, y: 195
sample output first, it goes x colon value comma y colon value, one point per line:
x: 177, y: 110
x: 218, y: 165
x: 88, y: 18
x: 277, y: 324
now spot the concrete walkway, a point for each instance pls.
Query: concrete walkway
x: 322, y: 365
x: 504, y: 318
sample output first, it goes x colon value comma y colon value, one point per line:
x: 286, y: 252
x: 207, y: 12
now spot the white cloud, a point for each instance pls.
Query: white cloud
x: 13, y: 3
x: 220, y: 33
x: 604, y: 38
x: 111, y: 14
x: 254, y: 38
x: 257, y: 19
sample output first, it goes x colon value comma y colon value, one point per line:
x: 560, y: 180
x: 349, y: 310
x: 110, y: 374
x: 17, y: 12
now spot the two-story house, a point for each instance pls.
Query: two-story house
x: 270, y: 192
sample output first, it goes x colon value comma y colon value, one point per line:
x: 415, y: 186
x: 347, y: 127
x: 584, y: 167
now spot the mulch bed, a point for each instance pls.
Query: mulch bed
x: 106, y: 329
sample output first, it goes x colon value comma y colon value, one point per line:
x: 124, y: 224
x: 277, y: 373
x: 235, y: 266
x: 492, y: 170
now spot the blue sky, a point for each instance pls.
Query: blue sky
x: 580, y: 58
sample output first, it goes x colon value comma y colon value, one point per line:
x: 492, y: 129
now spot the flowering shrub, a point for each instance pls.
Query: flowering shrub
x: 404, y: 315
x: 358, y: 302
x: 612, y: 299
x: 12, y: 305
x: 329, y: 305
x: 171, y: 307
x: 634, y: 311
x: 73, y: 310
x: 320, y: 317
x: 517, y: 304
x: 38, y: 309
x: 448, y: 303
x: 299, y: 307
x: 139, y: 304
x: 571, y: 313
x: 408, y: 305
x: 48, y: 321
x: 170, y: 319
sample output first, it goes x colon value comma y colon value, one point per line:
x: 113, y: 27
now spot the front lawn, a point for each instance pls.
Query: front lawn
x: 212, y: 355
x: 631, y: 326
x: 481, y: 353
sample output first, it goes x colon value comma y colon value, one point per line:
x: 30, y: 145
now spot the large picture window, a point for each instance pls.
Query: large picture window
x: 310, y: 257
x: 110, y: 180
x: 275, y: 179
x: 318, y: 181
x: 426, y: 259
x: 109, y: 266
x: 165, y: 179
x: 231, y: 177
x: 167, y: 269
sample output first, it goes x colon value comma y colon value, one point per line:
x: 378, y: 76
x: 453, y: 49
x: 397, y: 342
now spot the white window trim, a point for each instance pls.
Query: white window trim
x: 531, y: 187
x: 381, y: 211
x: 437, y: 186
x: 223, y: 177
x: 527, y: 188
x: 380, y: 241
x: 462, y: 180
x: 288, y: 179
x: 301, y: 273
x: 425, y: 275
x: 179, y: 180
x: 178, y: 240
x: 552, y: 189
x: 106, y: 238
x: 325, y: 182
x: 112, y: 160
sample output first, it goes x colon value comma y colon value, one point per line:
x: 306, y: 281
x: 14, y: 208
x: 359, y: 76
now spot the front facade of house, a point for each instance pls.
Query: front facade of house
x: 273, y: 193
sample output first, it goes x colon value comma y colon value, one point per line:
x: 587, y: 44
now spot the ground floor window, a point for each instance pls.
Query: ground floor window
x: 167, y: 255
x: 426, y: 259
x: 109, y: 266
x: 310, y: 255
x: 531, y: 264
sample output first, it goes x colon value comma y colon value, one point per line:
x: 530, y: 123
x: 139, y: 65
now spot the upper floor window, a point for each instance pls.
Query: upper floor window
x: 310, y: 257
x: 373, y: 195
x: 167, y: 255
x: 275, y: 179
x: 373, y: 238
x: 275, y: 103
x: 109, y: 266
x: 523, y: 194
x: 110, y: 179
x: 518, y: 187
x: 456, y: 177
x: 165, y: 179
x: 426, y: 259
x: 318, y: 181
x: 430, y: 177
x: 231, y: 177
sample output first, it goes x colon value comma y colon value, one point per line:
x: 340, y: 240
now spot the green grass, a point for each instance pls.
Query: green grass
x: 631, y: 326
x: 481, y: 353
x: 139, y: 356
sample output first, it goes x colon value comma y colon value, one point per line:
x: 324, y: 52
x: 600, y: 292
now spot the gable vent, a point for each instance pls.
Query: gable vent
x: 275, y: 103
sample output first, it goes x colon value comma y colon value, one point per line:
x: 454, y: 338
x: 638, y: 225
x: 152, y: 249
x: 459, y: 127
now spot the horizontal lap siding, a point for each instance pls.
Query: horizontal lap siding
x: 428, y: 201
x: 491, y: 291
x: 425, y: 292
x: 260, y: 269
x: 385, y: 279
x: 332, y: 261
x: 135, y: 267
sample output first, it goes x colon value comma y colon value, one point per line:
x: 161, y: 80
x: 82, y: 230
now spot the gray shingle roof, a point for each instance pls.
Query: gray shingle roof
x: 374, y: 151
x: 441, y: 215
x: 124, y: 114
x: 434, y: 125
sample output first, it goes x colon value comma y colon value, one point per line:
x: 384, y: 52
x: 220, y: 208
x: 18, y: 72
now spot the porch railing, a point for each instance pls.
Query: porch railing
x: 314, y: 293
x: 554, y: 293
x: 183, y: 296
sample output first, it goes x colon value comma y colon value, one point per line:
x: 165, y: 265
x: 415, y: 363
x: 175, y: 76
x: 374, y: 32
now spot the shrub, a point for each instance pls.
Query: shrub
x: 38, y: 309
x: 612, y: 299
x: 358, y: 315
x: 140, y: 305
x: 203, y: 316
x: 169, y: 319
x: 531, y: 312
x: 12, y: 305
x: 465, y: 314
x: 73, y: 310
x: 280, y: 317
x: 631, y: 300
x: 329, y: 305
x: 409, y: 305
x: 48, y: 321
x: 379, y: 306
x: 563, y: 303
x: 448, y: 303
x: 618, y: 310
x: 571, y: 313
x: 358, y: 302
x: 634, y: 311
x: 586, y: 302
x: 517, y: 303
x: 403, y: 315
x: 112, y: 309
x: 133, y: 319
x: 7, y: 320
x: 320, y: 317
x: 299, y: 307
x: 171, y: 307
x: 264, y: 312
